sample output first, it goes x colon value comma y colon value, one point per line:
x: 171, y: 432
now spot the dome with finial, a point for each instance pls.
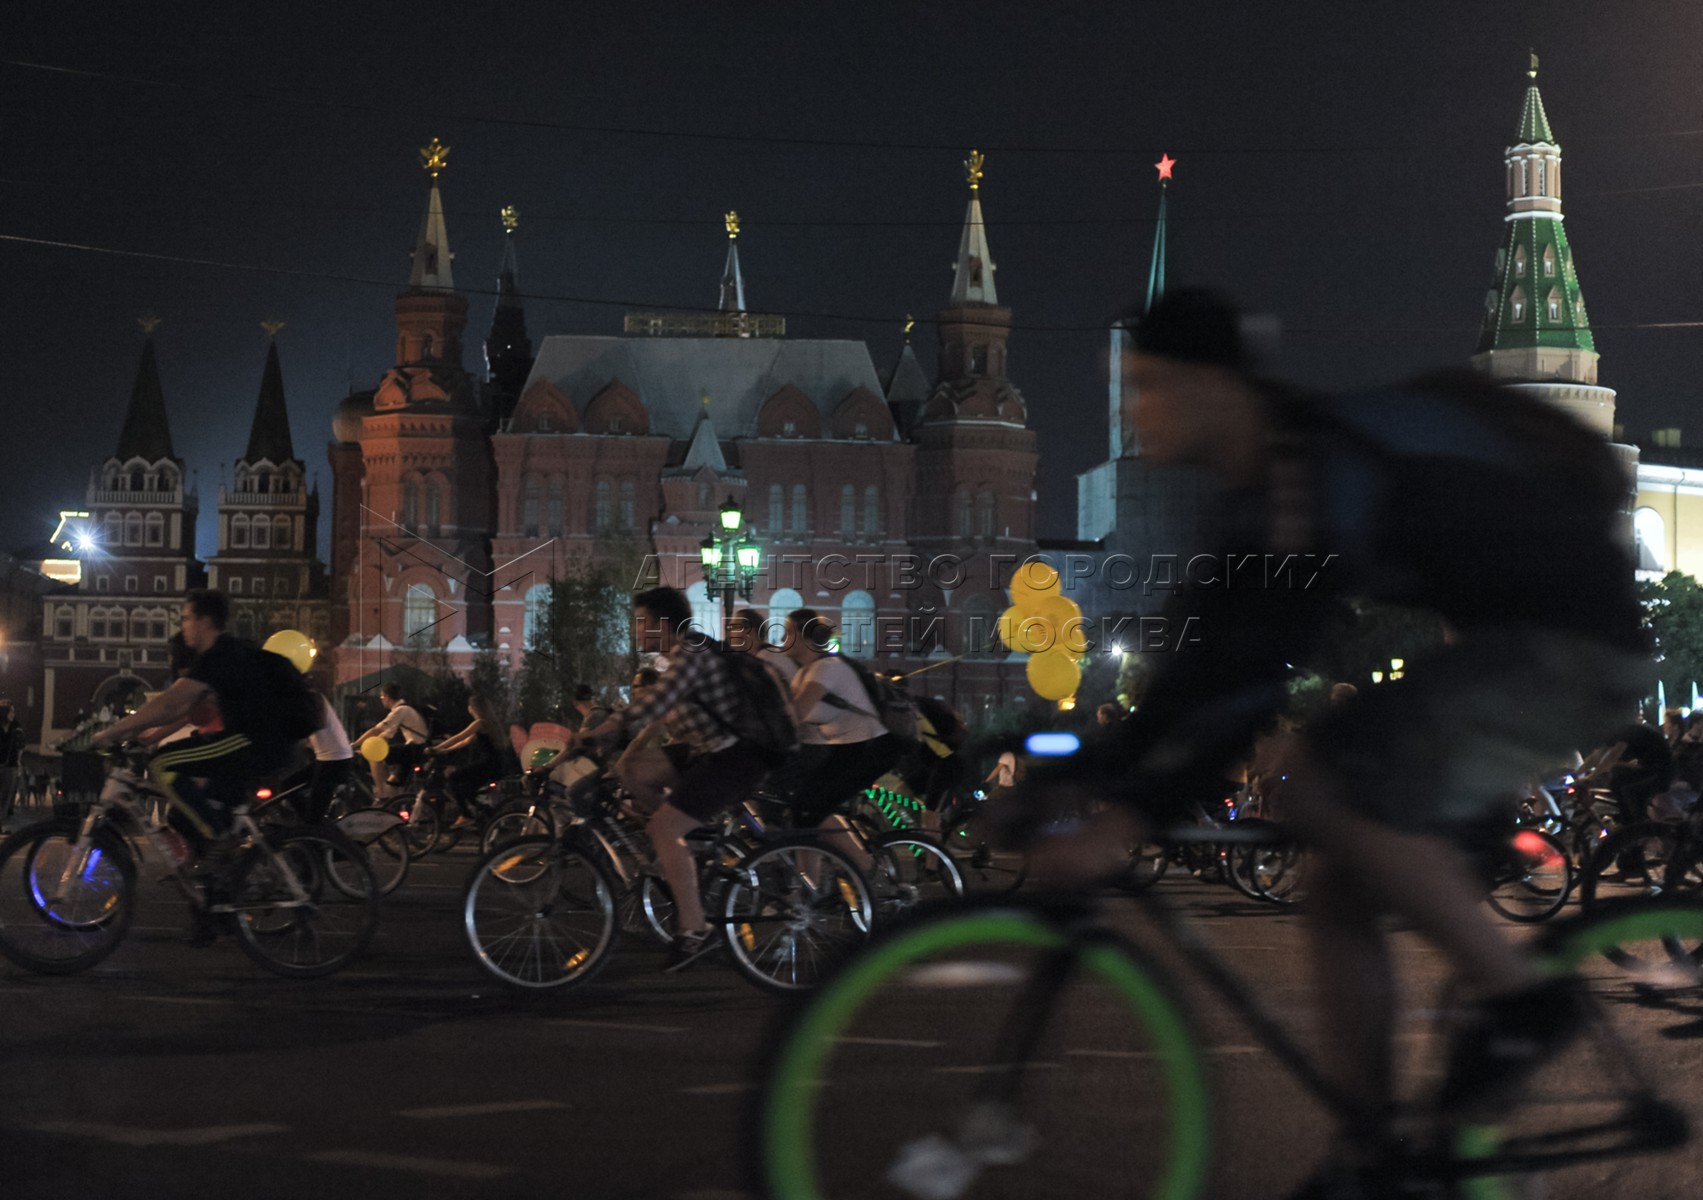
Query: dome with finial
x: 346, y: 425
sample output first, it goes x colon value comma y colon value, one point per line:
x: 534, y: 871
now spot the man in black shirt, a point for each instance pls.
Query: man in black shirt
x: 204, y: 774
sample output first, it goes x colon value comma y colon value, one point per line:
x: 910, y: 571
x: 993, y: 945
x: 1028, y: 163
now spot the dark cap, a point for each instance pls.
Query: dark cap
x: 1191, y: 325
x: 584, y: 692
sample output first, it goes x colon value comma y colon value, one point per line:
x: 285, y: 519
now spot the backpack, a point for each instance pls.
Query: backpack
x: 294, y: 708
x: 764, y: 718
x: 949, y: 728
x: 893, y: 706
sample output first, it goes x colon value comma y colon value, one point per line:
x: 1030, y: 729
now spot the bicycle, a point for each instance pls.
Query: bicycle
x: 976, y: 1007
x: 380, y: 833
x: 544, y: 913
x: 303, y: 902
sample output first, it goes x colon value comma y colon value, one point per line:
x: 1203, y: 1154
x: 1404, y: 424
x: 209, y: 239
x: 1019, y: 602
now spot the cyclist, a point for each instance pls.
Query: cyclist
x: 702, y: 699
x: 406, y: 731
x: 844, y: 747
x: 1484, y: 506
x: 478, y: 757
x: 204, y: 774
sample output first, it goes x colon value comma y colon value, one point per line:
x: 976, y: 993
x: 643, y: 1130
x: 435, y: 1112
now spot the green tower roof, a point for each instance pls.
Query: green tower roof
x: 1534, y: 122
x: 1536, y: 300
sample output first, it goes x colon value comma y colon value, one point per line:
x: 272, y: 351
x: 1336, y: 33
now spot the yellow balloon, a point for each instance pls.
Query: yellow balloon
x: 293, y: 645
x: 375, y: 749
x: 1064, y: 616
x: 1053, y: 676
x: 1031, y: 582
x: 1026, y: 634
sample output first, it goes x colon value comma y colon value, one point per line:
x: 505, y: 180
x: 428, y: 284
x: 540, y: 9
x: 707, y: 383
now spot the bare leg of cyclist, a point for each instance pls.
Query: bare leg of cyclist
x: 1354, y: 988
x: 667, y: 830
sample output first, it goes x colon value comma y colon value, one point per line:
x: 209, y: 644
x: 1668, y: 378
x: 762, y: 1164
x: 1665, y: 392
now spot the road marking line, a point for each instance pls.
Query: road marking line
x: 1156, y: 1053
x: 476, y: 1110
x: 581, y: 1024
x: 908, y: 1043
x: 991, y: 1068
x: 205, y: 1136
x: 717, y: 1089
x: 404, y: 1162
x: 182, y: 1000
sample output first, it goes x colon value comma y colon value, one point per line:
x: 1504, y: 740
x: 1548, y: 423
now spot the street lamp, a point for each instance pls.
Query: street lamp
x: 730, y: 559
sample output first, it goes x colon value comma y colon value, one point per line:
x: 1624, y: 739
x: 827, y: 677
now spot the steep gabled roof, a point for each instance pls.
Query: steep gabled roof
x: 147, y: 433
x: 269, y: 436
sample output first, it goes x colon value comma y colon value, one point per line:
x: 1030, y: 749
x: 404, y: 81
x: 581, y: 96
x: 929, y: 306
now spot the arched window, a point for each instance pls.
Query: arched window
x: 872, y: 509
x: 529, y: 507
x: 628, y: 504
x: 136, y: 480
x: 1520, y: 261
x: 1542, y: 177
x: 800, y: 508
x: 777, y: 509
x: 115, y: 630
x: 985, y: 510
x: 97, y: 623
x: 1650, y: 533
x: 239, y: 532
x: 419, y: 615
x: 260, y: 534
x: 848, y: 512
x: 966, y: 513
x: 434, y: 508
x: 154, y: 529
x: 703, y: 497
x: 1549, y: 262
x: 283, y: 536
x: 857, y: 624
x: 64, y: 622
x: 133, y: 529
x: 114, y: 530
x: 537, y: 602
x: 1517, y: 305
x: 1555, y: 304
x: 706, y: 613
x: 979, y: 637
x: 411, y: 506
x: 605, y: 514
x: 555, y: 509
x: 783, y: 601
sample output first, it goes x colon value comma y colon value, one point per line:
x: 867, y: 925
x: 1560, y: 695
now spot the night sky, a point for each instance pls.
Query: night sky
x: 1339, y: 166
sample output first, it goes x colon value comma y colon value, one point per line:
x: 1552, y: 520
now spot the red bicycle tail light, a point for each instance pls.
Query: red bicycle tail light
x: 263, y: 793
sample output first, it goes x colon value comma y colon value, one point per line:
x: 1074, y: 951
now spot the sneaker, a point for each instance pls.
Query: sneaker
x: 203, y: 929
x: 1509, y: 1038
x: 686, y: 949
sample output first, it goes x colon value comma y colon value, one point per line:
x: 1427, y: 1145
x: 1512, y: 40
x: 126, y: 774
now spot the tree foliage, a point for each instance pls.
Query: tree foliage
x: 584, y: 631
x: 1673, y: 613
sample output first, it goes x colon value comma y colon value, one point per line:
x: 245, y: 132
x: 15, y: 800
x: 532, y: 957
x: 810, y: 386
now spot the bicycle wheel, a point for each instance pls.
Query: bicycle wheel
x: 423, y: 820
x: 1638, y: 863
x: 791, y: 909
x: 354, y: 794
x: 656, y: 904
x: 910, y: 869
x: 1273, y: 873
x: 516, y: 820
x: 1658, y: 939
x: 1147, y: 866
x: 540, y: 914
x: 64, y: 906
x: 306, y: 904
x: 385, y: 839
x: 1533, y: 877
x: 1110, y: 1097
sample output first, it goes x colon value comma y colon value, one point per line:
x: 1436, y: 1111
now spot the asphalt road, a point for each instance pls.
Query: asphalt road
x: 178, y: 1072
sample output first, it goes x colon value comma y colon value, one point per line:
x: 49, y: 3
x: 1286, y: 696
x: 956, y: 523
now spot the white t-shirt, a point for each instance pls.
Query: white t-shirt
x: 330, y: 742
x: 829, y: 724
x: 404, y: 717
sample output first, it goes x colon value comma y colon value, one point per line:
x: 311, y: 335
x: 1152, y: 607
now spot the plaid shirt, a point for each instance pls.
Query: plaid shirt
x: 693, y: 692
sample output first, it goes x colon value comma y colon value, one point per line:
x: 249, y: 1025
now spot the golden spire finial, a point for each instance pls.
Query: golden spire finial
x: 434, y: 158
x: 973, y: 169
x: 910, y: 324
x: 272, y: 327
x: 732, y: 220
x: 148, y: 324
x: 1531, y: 72
x: 511, y: 217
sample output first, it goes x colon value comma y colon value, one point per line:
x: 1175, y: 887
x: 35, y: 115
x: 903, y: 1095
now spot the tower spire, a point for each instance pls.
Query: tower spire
x: 973, y: 281
x: 508, y: 349
x: 146, y: 433
x: 1156, y: 268
x: 732, y: 281
x: 1535, y: 330
x: 269, y: 435
x: 432, y: 257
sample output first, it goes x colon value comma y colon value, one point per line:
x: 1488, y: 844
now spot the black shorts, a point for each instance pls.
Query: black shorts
x: 834, y: 775
x: 1472, y: 723
x: 711, y: 783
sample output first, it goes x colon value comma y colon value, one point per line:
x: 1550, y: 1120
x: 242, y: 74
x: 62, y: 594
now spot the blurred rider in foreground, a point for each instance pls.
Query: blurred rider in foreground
x: 1484, y: 506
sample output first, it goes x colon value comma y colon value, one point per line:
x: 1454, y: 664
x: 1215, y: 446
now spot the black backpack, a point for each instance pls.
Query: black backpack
x: 893, y: 706
x: 294, y: 709
x: 764, y: 717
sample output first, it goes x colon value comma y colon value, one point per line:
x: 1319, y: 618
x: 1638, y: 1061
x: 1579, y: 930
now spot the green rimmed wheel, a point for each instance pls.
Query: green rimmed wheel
x: 1659, y: 940
x: 1110, y: 1100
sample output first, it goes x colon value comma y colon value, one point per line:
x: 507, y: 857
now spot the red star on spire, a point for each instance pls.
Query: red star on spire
x: 1164, y: 165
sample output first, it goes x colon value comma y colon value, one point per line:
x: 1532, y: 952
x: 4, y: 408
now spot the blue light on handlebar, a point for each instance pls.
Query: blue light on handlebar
x: 1052, y: 745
